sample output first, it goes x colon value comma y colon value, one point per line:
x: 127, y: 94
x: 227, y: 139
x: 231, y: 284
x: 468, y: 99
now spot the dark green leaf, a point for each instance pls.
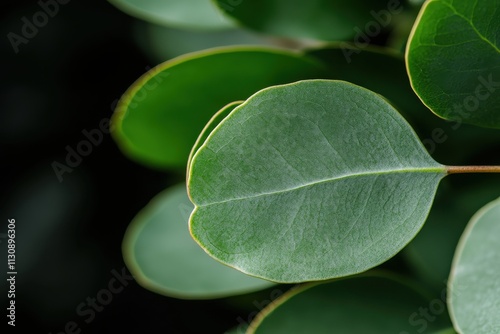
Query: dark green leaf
x: 359, y: 305
x: 316, y: 19
x: 159, y: 118
x: 453, y: 59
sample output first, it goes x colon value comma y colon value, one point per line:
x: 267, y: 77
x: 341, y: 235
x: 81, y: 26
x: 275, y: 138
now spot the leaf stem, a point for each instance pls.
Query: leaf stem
x: 472, y: 169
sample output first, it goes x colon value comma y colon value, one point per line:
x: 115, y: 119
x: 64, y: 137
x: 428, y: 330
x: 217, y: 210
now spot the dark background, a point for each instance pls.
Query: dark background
x: 66, y: 79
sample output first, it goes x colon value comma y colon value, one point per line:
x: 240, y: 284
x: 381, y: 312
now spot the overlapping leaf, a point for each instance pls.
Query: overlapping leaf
x: 159, y: 118
x: 163, y: 257
x: 374, y: 304
x: 310, y: 181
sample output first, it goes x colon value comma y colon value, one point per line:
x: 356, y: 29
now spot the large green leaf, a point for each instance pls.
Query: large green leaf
x: 192, y: 14
x: 453, y: 59
x: 159, y: 118
x: 314, y: 19
x: 309, y: 181
x: 163, y: 257
x: 371, y: 304
x: 474, y: 289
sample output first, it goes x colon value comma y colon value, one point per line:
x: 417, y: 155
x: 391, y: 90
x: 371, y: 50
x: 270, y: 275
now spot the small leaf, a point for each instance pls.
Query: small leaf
x: 474, y: 289
x: 163, y: 257
x: 192, y: 14
x: 309, y: 181
x: 320, y: 19
x: 453, y: 60
x: 373, y: 304
x: 160, y: 116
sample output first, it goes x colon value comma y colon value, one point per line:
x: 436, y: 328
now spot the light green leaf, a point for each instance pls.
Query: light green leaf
x: 372, y: 304
x: 192, y: 14
x: 453, y: 59
x: 309, y: 181
x: 159, y: 118
x: 315, y: 19
x: 162, y: 256
x: 474, y: 289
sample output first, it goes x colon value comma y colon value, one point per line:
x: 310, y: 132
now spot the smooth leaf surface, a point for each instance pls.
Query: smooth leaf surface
x: 319, y: 19
x: 358, y: 305
x: 192, y: 14
x: 474, y: 289
x: 453, y: 59
x: 309, y: 181
x: 159, y: 118
x: 163, y: 257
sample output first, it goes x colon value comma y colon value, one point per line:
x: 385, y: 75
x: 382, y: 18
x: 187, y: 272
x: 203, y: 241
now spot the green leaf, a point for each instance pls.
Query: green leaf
x: 162, y: 256
x: 309, y: 181
x: 432, y: 250
x: 214, y: 121
x: 384, y: 72
x: 474, y: 289
x: 359, y: 305
x: 192, y: 14
x: 159, y: 118
x: 453, y: 60
x: 318, y: 19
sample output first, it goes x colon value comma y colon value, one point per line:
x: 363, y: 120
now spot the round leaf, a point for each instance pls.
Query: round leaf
x: 318, y: 19
x: 163, y: 257
x: 359, y: 305
x: 474, y: 289
x: 192, y: 14
x: 453, y: 59
x: 159, y: 118
x: 309, y: 181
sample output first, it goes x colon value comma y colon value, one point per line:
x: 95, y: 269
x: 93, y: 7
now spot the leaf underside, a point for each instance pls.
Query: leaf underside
x: 310, y: 181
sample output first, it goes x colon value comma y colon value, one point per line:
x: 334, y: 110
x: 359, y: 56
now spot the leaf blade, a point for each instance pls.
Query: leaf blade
x: 474, y: 288
x: 269, y: 172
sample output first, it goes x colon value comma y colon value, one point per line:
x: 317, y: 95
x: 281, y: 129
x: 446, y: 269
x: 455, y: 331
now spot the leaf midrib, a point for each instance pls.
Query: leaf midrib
x: 433, y: 169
